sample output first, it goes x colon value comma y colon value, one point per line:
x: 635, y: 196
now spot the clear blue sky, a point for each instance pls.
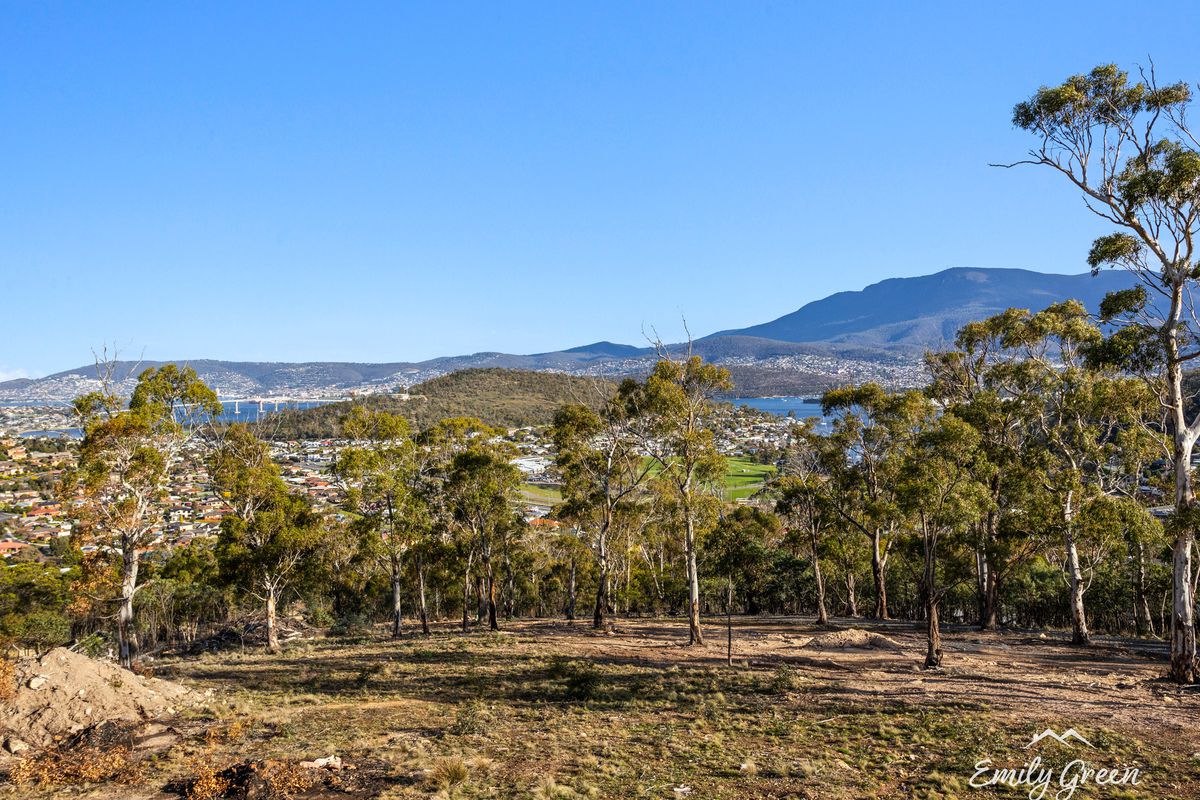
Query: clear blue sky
x: 399, y: 181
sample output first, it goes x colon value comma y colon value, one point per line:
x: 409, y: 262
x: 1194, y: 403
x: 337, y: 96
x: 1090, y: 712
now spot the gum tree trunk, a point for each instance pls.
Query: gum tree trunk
x: 397, y: 616
x: 822, y: 613
x: 878, y: 568
x: 571, y: 593
x: 601, y: 610
x: 424, y: 610
x: 273, y: 645
x: 989, y: 582
x: 1141, y: 611
x: 489, y: 588
x: 695, y: 635
x: 933, y: 652
x: 729, y: 624
x: 126, y: 634
x: 466, y: 601
x: 1184, y: 667
x: 1079, y: 626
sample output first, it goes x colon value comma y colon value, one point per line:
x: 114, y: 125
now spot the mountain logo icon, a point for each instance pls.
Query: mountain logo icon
x: 1066, y: 737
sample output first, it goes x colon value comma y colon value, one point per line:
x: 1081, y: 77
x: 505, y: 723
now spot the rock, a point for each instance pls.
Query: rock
x: 329, y: 762
x: 37, y: 682
x: 15, y: 746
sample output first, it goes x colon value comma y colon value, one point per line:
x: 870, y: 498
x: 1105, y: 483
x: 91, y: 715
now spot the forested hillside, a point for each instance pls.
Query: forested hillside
x: 505, y: 398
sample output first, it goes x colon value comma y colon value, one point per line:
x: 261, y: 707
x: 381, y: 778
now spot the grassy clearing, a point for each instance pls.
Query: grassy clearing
x: 543, y: 495
x: 744, y: 477
x: 557, y: 713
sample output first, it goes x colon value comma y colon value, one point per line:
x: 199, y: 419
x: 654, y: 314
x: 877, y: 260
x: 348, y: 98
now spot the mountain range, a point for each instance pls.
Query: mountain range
x: 878, y: 333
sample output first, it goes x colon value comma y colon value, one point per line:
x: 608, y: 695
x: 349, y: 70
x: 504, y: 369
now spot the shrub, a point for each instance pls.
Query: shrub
x: 581, y: 679
x: 469, y: 718
x: 351, y: 625
x: 44, y: 630
x: 785, y: 679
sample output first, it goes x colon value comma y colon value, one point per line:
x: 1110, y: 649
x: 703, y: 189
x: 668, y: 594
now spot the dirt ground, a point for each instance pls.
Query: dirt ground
x: 1116, y: 682
x: 547, y: 709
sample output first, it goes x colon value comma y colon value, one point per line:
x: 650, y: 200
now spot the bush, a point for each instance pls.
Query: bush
x: 581, y: 679
x: 784, y: 679
x: 351, y: 625
x: 469, y: 718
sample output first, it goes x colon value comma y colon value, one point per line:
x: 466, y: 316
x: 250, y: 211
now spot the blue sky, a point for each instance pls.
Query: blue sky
x: 291, y: 181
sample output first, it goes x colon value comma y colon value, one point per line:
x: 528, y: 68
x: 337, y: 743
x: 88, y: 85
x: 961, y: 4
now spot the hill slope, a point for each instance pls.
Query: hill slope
x: 927, y: 311
x: 504, y: 398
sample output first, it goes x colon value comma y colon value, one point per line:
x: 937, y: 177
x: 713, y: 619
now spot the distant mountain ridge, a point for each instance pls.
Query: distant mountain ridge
x: 877, y: 333
x: 927, y: 311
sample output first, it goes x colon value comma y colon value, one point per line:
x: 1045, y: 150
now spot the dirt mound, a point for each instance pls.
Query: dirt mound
x: 63, y: 693
x: 853, y: 638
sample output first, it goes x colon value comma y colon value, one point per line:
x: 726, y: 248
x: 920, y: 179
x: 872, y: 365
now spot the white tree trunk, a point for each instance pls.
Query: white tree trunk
x: 126, y: 633
x: 695, y: 635
x: 273, y: 645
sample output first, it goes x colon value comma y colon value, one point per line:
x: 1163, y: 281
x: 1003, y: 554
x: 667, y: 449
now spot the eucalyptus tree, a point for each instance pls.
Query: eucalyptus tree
x: 603, y: 466
x: 658, y: 546
x: 267, y: 555
x: 803, y: 501
x: 973, y: 383
x: 847, y: 553
x: 129, y: 455
x: 1080, y: 412
x: 679, y: 396
x: 1129, y: 151
x: 381, y: 469
x: 1142, y: 536
x: 943, y: 488
x: 737, y: 549
x: 569, y: 549
x: 241, y: 470
x: 480, y: 485
x: 872, y: 433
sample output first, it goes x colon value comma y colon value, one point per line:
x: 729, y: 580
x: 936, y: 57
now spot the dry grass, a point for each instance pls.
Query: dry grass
x: 208, y: 783
x: 449, y: 773
x: 8, y: 680
x: 550, y: 711
x: 286, y: 779
x: 78, y: 766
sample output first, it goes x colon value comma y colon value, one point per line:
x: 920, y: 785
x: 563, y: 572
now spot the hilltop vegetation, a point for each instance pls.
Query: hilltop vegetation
x: 505, y: 398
